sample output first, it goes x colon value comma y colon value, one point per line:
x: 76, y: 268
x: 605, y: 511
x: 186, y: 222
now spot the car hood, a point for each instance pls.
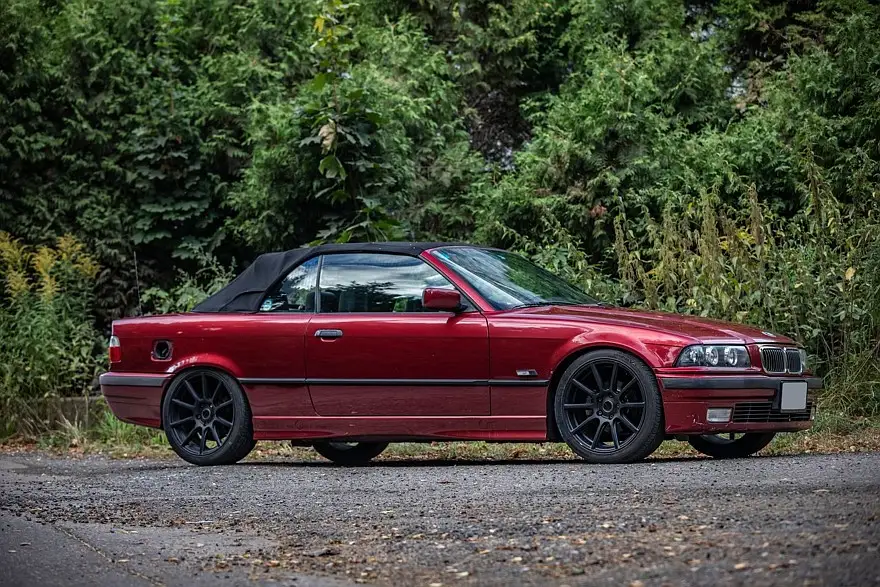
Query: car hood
x: 702, y: 329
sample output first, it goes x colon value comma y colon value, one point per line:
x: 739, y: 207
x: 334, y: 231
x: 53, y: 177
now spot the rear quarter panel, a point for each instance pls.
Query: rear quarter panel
x: 249, y: 345
x: 244, y: 345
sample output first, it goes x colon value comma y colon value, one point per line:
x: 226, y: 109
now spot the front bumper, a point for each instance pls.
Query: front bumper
x: 753, y: 399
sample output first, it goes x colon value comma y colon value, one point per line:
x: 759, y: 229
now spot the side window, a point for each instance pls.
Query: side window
x: 296, y: 292
x: 375, y: 282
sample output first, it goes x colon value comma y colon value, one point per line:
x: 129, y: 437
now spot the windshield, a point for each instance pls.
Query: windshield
x: 507, y: 280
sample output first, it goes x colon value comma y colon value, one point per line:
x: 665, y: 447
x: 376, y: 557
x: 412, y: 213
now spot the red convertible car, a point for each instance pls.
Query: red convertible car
x: 349, y: 347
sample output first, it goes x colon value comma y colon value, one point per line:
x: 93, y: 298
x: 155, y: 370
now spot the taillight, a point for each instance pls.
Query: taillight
x: 115, y: 350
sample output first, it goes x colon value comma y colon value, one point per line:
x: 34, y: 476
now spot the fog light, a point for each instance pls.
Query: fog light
x: 718, y: 415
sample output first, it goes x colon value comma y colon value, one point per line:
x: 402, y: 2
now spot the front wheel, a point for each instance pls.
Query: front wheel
x: 608, y: 408
x: 350, y: 453
x: 731, y: 445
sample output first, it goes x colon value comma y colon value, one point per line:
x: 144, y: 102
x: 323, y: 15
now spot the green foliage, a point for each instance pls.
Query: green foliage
x: 189, y: 289
x: 48, y: 345
x: 719, y: 158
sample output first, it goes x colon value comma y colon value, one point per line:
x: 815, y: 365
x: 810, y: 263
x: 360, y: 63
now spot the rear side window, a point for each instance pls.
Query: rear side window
x: 296, y: 292
x: 371, y: 282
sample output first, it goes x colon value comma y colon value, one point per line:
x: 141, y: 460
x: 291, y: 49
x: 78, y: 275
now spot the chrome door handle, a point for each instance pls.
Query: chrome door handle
x: 333, y: 333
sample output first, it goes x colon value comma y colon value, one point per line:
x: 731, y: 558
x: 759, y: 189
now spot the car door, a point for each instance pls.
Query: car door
x: 372, y: 350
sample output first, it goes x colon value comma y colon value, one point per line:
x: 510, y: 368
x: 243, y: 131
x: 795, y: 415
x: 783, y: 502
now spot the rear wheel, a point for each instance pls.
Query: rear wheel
x: 350, y: 453
x: 207, y: 419
x: 731, y: 445
x: 608, y: 408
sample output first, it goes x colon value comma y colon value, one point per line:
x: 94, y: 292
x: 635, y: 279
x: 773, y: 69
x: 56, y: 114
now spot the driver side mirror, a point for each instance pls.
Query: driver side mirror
x: 435, y: 298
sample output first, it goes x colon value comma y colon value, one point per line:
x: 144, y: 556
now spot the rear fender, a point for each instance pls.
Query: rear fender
x: 212, y: 360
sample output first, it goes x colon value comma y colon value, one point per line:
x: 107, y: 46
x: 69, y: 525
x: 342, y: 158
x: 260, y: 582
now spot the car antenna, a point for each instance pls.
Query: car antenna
x: 137, y: 281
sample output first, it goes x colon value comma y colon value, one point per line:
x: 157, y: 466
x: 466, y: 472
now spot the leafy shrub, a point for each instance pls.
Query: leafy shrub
x: 189, y: 289
x: 49, y: 346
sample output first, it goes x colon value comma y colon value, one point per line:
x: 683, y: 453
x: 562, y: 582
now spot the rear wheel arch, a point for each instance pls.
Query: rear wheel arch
x: 553, y: 434
x: 193, y: 367
x: 231, y: 412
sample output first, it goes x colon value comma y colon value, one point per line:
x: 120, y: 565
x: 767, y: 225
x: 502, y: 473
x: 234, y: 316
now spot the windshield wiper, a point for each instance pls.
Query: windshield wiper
x: 552, y: 303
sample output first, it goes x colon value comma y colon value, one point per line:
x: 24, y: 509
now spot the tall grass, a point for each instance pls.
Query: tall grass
x: 48, y: 344
x: 815, y: 277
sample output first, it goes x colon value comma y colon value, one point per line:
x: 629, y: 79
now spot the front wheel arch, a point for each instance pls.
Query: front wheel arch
x: 553, y: 434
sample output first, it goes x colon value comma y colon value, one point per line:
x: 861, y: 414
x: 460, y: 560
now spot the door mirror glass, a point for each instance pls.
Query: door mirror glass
x: 434, y: 298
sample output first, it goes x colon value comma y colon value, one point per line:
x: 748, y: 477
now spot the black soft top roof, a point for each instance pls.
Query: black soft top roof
x: 246, y: 292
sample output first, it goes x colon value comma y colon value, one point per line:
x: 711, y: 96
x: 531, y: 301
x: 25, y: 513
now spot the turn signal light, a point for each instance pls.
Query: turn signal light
x: 114, y: 350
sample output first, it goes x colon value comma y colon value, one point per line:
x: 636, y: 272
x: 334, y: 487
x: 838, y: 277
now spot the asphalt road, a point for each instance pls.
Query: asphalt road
x: 807, y: 520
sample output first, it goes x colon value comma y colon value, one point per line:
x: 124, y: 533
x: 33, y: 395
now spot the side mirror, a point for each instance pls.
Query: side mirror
x: 434, y: 298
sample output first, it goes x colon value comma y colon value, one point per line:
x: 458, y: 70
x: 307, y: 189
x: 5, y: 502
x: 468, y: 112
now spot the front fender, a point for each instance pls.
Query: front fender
x: 655, y: 354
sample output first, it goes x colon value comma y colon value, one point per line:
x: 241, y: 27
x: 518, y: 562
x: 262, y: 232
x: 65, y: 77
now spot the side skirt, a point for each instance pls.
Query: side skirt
x: 403, y: 428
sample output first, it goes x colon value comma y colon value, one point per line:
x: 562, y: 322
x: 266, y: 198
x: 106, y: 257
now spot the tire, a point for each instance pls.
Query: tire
x: 596, y: 402
x: 715, y: 445
x: 207, y: 419
x: 351, y: 454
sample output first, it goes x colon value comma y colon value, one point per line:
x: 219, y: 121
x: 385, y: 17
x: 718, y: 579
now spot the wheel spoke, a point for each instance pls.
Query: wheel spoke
x: 182, y: 421
x: 598, y: 437
x: 614, y: 434
x: 632, y: 405
x: 577, y: 406
x: 627, y: 423
x: 223, y: 405
x: 613, y: 384
x: 204, y: 439
x: 192, y: 390
x: 580, y: 426
x: 626, y: 387
x: 189, y: 436
x: 596, y: 376
x: 584, y: 387
x: 215, y: 435
x: 204, y: 386
x: 216, y: 389
x: 732, y: 436
x: 223, y: 421
x: 183, y: 404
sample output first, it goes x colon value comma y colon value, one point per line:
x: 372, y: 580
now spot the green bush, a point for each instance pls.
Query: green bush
x: 713, y: 157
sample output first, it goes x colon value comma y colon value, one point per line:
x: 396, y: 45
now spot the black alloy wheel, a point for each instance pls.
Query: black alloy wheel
x: 207, y: 419
x: 608, y: 408
x: 731, y: 445
x: 350, y: 454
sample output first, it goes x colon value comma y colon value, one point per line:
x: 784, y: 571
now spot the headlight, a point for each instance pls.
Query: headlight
x: 803, y: 360
x: 707, y: 355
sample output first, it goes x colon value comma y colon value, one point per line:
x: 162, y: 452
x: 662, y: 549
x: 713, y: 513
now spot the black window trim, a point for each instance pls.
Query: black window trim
x: 283, y: 276
x: 470, y: 308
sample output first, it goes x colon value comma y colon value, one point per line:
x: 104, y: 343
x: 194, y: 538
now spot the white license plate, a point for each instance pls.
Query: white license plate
x: 793, y: 396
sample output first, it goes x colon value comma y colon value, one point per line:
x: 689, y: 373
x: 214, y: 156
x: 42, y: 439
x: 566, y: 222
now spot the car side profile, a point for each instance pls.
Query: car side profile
x: 350, y: 347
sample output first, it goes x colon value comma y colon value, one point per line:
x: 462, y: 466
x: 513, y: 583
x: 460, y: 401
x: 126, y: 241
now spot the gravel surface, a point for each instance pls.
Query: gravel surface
x: 805, y: 520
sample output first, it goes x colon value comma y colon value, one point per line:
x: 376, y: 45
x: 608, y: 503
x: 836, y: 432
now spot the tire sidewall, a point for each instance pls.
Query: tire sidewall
x: 650, y: 434
x: 240, y: 437
x: 355, y: 456
x: 749, y: 444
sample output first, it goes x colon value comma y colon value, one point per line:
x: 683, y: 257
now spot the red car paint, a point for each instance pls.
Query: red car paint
x: 274, y: 354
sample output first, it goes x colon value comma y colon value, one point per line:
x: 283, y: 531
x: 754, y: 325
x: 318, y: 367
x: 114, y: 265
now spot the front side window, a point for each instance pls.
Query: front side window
x: 507, y: 280
x: 371, y: 282
x: 296, y: 292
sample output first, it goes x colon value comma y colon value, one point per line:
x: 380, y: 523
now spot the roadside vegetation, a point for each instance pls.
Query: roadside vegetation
x: 716, y: 158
